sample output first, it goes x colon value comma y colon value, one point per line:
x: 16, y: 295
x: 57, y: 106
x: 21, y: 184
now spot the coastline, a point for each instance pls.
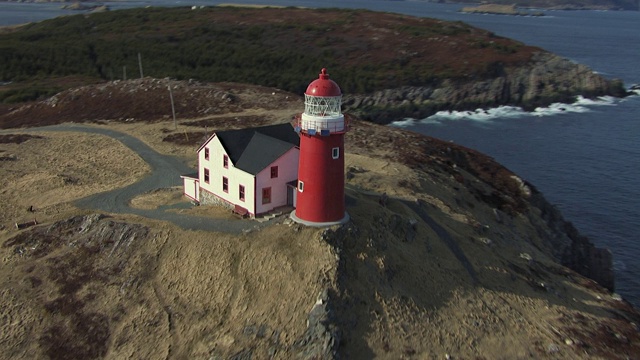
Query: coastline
x: 581, y: 105
x: 493, y: 244
x: 605, y: 70
x: 498, y: 9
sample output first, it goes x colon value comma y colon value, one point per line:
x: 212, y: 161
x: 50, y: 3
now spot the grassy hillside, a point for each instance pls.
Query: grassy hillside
x: 366, y: 50
x: 457, y: 262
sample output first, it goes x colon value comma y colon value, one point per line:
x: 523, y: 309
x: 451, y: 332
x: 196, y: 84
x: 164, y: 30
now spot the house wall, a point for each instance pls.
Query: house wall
x: 217, y: 171
x: 191, y: 188
x: 287, y: 171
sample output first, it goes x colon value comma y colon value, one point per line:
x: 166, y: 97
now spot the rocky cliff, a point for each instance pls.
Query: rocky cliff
x: 572, y: 249
x: 512, y: 197
x: 545, y: 79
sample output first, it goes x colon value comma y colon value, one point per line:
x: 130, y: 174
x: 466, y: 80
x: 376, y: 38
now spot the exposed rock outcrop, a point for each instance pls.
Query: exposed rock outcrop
x: 321, y: 339
x: 572, y: 249
x: 512, y: 197
x: 547, y: 79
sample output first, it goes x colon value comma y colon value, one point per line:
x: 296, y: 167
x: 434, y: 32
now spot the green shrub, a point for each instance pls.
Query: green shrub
x: 183, y: 43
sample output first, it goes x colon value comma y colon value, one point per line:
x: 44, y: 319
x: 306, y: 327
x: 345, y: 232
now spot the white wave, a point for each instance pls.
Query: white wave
x: 480, y: 115
x: 581, y: 105
x: 601, y: 100
x: 559, y: 108
x: 619, y: 265
x: 404, y: 122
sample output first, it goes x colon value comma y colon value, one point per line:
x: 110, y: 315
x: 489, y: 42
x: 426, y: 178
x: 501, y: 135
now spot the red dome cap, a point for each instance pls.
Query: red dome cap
x: 323, y: 86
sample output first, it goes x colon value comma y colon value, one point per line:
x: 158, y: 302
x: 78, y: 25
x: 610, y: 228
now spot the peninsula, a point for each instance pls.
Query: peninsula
x: 562, y: 4
x: 447, y: 254
x: 391, y: 66
x: 537, y: 4
x: 499, y: 10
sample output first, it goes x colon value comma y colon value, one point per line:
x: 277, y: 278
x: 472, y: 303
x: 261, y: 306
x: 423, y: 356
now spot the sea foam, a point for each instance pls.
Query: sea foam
x: 581, y: 105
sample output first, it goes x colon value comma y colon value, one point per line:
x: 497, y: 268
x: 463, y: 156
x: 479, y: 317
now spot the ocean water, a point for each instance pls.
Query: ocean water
x: 585, y: 156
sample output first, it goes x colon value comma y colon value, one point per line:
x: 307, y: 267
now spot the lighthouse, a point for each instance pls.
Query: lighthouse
x: 320, y: 190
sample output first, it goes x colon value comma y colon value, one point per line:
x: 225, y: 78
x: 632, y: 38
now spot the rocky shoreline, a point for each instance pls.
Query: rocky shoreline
x: 80, y: 7
x: 547, y: 79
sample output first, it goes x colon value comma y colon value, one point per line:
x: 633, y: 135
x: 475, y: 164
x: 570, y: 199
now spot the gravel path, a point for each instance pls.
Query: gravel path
x: 165, y: 172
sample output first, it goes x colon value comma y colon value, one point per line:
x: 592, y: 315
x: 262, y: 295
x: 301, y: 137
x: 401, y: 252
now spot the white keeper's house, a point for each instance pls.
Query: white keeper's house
x: 251, y: 171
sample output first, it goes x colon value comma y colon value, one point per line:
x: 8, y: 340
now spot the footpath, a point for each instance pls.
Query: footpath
x: 165, y: 173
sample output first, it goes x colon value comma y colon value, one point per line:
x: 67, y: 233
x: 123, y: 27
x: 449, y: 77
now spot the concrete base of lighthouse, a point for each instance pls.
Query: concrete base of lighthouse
x: 295, y: 218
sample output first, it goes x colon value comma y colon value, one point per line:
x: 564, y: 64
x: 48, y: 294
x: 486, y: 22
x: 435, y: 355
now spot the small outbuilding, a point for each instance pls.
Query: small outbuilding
x: 251, y: 171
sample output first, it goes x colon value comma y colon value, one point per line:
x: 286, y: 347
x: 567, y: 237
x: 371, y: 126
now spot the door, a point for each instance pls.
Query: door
x: 289, y: 195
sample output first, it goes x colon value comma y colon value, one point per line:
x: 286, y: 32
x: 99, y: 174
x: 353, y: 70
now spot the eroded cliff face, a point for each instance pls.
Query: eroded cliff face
x: 546, y: 79
x: 486, y: 182
x: 512, y: 197
x: 569, y: 247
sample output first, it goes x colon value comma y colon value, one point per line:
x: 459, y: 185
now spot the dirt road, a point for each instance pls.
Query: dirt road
x: 165, y: 173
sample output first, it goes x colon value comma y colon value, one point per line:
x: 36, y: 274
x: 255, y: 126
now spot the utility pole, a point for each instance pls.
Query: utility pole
x: 140, y: 65
x: 173, y: 108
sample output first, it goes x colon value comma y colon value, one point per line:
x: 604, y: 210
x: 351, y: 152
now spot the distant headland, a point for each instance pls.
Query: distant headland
x: 76, y: 5
x: 558, y: 5
x: 499, y: 10
x: 531, y: 4
x: 385, y: 69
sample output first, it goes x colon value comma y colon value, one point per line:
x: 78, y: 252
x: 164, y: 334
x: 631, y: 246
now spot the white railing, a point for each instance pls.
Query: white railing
x: 318, y: 124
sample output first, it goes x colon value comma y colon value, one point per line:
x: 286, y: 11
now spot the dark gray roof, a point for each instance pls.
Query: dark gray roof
x: 253, y: 149
x: 193, y: 175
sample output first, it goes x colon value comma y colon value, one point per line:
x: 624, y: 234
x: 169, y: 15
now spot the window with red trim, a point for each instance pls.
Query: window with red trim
x: 274, y: 172
x: 206, y: 153
x: 225, y: 184
x: 266, y: 195
x: 225, y: 161
x: 206, y: 175
x: 241, y: 192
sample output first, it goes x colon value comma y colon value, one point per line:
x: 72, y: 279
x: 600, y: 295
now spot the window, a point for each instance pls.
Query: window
x: 206, y: 175
x: 266, y: 195
x: 335, y: 152
x: 274, y: 172
x: 225, y: 184
x: 241, y: 192
x: 225, y: 161
x: 300, y: 186
x: 206, y: 153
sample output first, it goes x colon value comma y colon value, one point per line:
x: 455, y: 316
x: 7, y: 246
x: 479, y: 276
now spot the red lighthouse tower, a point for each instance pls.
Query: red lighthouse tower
x: 320, y: 193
